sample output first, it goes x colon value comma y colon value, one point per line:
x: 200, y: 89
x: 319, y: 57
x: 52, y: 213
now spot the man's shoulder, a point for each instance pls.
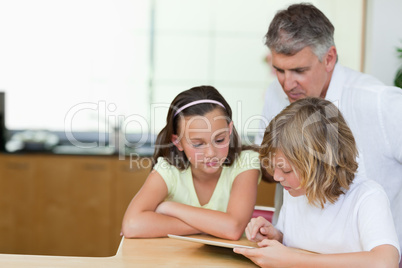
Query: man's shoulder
x: 359, y: 80
x: 365, y: 88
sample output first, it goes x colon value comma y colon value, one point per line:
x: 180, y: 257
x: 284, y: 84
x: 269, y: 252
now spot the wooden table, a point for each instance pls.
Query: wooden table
x: 156, y: 252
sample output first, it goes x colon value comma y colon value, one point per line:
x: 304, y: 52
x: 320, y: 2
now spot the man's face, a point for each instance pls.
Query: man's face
x: 303, y: 75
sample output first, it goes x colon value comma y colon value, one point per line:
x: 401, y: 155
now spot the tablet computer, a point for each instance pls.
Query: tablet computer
x: 214, y: 241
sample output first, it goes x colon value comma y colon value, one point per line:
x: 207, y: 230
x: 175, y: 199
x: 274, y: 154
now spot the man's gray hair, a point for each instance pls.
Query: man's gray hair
x: 299, y: 26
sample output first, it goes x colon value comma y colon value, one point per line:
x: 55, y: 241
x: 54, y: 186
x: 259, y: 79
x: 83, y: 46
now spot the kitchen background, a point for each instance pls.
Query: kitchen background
x: 93, y: 66
x: 100, y: 74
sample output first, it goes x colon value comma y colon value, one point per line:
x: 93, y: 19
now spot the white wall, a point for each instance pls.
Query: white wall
x: 384, y: 34
x: 83, y: 65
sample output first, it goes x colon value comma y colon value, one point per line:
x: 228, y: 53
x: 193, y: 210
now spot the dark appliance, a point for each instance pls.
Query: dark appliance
x: 3, y: 130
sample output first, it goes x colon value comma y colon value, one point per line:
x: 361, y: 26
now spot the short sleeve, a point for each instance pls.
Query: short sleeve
x: 247, y: 160
x: 375, y: 222
x: 169, y: 173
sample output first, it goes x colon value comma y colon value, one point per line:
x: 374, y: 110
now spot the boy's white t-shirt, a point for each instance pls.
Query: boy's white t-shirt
x: 359, y: 220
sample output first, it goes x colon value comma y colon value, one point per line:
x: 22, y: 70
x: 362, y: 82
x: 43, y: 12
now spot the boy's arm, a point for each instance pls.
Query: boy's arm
x: 381, y: 256
x: 274, y: 254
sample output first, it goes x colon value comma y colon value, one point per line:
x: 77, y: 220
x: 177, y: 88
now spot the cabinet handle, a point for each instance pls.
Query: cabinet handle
x: 18, y: 166
x: 127, y: 168
x: 94, y: 167
x: 135, y: 167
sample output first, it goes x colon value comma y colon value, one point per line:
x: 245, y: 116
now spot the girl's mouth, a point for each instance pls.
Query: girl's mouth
x: 211, y: 164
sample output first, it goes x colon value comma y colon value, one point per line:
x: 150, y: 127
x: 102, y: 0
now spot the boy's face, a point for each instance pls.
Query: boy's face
x: 303, y: 75
x: 285, y: 174
x: 205, y: 140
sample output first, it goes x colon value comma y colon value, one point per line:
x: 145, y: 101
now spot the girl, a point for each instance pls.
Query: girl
x: 311, y: 151
x: 202, y: 181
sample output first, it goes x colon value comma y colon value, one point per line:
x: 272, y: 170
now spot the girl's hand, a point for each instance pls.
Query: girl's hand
x: 271, y: 254
x: 163, y: 208
x: 259, y: 229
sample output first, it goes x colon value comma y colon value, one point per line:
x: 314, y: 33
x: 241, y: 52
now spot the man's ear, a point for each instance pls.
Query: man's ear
x: 330, y: 59
x: 176, y: 142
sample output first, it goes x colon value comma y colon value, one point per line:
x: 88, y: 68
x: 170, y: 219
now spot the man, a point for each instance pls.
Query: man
x: 305, y: 59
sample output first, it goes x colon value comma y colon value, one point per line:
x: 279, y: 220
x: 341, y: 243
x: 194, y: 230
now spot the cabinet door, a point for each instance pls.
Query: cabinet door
x: 54, y: 214
x: 17, y: 175
x: 266, y: 194
x: 91, y: 203
x: 73, y: 210
x: 129, y: 176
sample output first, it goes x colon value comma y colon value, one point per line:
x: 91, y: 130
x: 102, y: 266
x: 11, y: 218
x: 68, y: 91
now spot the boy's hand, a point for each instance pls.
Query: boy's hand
x: 259, y: 229
x: 271, y: 254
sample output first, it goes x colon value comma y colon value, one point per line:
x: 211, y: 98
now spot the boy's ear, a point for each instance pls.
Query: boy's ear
x: 176, y: 142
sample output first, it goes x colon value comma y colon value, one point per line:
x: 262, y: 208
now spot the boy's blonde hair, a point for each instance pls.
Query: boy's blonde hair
x: 315, y: 139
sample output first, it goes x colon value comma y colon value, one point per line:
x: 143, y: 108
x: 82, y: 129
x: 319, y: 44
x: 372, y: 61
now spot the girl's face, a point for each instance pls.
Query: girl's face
x: 205, y: 140
x: 286, y: 175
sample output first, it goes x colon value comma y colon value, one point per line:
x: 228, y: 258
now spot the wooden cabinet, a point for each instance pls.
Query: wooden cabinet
x: 46, y: 199
x: 17, y: 174
x: 129, y: 176
x: 79, y: 200
x: 73, y: 202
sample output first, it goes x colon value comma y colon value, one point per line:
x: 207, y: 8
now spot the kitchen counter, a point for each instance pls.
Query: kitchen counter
x: 79, y: 143
x: 156, y: 252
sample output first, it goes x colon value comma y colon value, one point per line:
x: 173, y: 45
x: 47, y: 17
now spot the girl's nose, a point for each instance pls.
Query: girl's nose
x: 210, y: 151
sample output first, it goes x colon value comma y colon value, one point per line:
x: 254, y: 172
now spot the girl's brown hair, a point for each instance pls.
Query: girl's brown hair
x: 314, y: 137
x: 164, y: 146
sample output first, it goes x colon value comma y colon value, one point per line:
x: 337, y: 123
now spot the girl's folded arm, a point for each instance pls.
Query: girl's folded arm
x: 141, y: 220
x: 229, y: 225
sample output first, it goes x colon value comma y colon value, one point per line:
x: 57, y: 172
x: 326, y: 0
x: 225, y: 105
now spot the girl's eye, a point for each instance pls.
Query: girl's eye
x: 220, y: 140
x: 197, y: 145
x: 286, y: 171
